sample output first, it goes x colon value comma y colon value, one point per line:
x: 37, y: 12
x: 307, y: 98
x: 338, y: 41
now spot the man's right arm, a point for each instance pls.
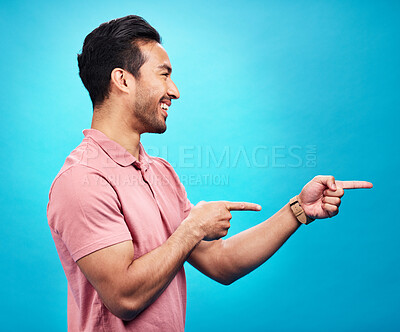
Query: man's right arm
x: 127, y: 286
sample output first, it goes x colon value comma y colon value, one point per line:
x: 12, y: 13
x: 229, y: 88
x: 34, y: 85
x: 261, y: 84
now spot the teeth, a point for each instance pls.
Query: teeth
x: 164, y: 106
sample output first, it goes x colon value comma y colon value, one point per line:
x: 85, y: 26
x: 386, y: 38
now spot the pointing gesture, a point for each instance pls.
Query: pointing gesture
x: 241, y: 206
x: 354, y: 184
x: 321, y: 197
x: 212, y: 219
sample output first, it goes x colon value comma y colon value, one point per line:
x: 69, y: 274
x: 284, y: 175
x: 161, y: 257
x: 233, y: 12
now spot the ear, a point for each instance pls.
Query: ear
x: 122, y: 80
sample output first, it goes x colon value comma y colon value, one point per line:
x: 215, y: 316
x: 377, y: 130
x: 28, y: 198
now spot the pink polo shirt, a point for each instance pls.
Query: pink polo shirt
x: 103, y: 196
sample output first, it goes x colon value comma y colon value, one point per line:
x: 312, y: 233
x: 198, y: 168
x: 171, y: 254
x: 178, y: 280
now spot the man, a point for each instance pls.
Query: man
x: 121, y: 220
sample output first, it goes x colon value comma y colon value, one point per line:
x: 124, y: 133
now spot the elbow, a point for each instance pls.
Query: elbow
x: 125, y: 309
x: 227, y: 275
x: 226, y: 280
x: 127, y: 314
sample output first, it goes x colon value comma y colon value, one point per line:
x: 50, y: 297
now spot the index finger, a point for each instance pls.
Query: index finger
x: 354, y: 184
x: 242, y: 206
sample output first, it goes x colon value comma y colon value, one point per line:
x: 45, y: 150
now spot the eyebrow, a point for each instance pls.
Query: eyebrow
x: 166, y: 67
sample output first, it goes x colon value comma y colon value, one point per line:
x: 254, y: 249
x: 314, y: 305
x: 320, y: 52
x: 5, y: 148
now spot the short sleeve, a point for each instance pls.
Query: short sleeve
x: 85, y: 212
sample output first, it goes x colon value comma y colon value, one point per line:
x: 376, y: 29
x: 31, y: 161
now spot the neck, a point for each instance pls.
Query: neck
x: 113, y: 125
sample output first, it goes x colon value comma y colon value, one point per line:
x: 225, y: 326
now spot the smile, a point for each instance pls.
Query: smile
x: 164, y: 109
x: 164, y: 106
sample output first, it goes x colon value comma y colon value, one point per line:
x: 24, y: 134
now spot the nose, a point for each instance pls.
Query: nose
x: 173, y: 91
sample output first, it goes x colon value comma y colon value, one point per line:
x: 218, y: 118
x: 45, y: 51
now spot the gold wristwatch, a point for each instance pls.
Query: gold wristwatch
x: 299, y: 212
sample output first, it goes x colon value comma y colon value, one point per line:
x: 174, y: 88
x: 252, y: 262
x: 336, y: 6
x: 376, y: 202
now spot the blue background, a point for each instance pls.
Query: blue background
x: 280, y: 75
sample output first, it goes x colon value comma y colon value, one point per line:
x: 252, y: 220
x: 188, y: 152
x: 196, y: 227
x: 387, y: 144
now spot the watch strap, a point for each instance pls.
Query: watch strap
x: 298, y: 211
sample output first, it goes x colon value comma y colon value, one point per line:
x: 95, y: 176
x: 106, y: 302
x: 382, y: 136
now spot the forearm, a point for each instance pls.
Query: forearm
x: 244, y: 252
x: 228, y: 260
x: 148, y: 276
x: 127, y: 285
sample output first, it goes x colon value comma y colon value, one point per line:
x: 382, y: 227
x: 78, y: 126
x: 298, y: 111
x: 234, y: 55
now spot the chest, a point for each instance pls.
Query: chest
x: 150, y: 207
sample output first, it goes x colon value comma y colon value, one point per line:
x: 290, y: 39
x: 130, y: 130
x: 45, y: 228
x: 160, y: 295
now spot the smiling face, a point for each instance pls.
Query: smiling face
x: 154, y: 89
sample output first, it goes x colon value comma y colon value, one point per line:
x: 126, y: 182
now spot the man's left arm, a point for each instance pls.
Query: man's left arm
x: 228, y: 260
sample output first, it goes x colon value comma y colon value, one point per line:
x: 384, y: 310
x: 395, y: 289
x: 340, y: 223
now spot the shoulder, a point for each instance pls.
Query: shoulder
x: 76, y: 176
x: 78, y: 194
x: 78, y: 164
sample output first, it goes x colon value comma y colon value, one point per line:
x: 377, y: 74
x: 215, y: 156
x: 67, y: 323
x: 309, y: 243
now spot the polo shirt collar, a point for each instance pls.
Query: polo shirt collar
x: 118, y: 153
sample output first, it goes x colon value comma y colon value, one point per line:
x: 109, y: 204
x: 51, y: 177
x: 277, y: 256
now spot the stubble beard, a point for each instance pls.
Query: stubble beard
x: 148, y: 114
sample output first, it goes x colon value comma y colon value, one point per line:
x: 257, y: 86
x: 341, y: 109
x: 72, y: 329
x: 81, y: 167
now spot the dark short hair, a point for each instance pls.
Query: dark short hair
x: 113, y: 44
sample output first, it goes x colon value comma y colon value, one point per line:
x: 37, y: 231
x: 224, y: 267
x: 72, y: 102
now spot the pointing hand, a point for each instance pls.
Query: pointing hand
x: 321, y: 197
x: 213, y: 218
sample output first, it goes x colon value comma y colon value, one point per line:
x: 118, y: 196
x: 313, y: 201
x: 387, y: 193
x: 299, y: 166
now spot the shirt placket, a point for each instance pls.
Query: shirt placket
x: 146, y: 176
